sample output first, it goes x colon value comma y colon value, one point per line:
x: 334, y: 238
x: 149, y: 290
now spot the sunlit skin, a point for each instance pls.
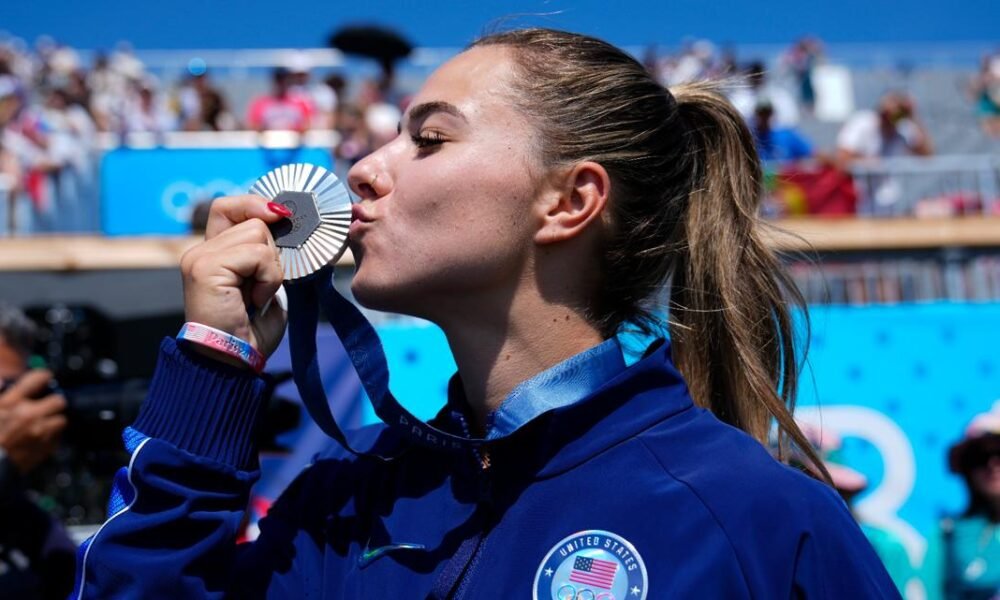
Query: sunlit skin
x: 461, y: 223
x: 12, y: 363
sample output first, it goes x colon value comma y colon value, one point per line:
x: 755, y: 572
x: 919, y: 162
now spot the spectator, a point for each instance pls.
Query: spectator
x: 355, y: 138
x: 36, y: 555
x: 985, y: 89
x: 10, y: 166
x: 693, y: 64
x: 776, y: 143
x: 759, y: 89
x: 727, y: 65
x: 322, y: 97
x: 893, y: 129
x: 801, y: 60
x: 203, y: 107
x: 145, y: 111
x: 76, y: 89
x: 381, y: 110
x: 27, y: 142
x: 108, y: 89
x: 338, y: 86
x: 963, y: 559
x: 68, y: 139
x: 281, y: 109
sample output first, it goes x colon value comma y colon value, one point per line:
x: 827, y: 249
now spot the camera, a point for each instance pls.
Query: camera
x: 103, y: 368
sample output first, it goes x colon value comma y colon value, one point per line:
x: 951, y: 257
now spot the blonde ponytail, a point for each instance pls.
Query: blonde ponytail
x: 731, y: 300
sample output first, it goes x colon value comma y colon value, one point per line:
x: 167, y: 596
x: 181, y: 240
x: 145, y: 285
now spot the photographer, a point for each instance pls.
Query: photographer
x: 36, y: 556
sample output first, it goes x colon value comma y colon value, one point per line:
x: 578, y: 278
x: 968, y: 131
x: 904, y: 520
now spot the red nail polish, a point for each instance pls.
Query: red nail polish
x: 279, y: 209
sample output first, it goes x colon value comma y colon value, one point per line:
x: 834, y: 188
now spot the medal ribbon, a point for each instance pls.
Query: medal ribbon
x: 576, y: 379
x: 305, y: 298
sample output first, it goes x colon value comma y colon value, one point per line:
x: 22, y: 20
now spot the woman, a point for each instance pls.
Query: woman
x: 963, y: 560
x: 541, y: 189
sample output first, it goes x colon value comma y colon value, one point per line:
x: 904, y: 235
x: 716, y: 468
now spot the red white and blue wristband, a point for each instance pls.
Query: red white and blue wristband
x: 213, y: 338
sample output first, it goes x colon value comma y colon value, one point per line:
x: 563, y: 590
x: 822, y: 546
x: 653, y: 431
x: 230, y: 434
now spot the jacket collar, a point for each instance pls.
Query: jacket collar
x: 594, y: 402
x: 561, y: 385
x: 648, y: 392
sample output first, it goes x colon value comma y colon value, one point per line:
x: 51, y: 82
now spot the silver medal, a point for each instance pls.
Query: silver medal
x: 316, y: 233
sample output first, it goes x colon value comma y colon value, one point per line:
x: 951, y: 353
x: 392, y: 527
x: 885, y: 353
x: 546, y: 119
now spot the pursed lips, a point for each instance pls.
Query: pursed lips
x: 360, y: 213
x: 360, y: 219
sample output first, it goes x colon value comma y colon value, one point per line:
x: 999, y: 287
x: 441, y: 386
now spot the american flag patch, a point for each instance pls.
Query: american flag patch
x: 594, y: 571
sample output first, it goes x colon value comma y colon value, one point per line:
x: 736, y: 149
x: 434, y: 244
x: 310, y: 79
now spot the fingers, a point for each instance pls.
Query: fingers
x: 236, y: 270
x: 230, y: 265
x: 233, y: 210
x: 48, y: 406
x: 203, y: 261
x: 51, y: 427
x: 253, y: 231
x: 32, y: 384
x: 46, y: 430
x: 259, y: 264
x: 250, y: 231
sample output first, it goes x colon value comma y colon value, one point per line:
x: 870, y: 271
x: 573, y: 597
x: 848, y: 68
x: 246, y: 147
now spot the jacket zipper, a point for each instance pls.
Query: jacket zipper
x: 485, y: 509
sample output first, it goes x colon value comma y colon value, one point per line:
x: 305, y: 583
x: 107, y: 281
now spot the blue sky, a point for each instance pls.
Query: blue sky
x: 307, y: 23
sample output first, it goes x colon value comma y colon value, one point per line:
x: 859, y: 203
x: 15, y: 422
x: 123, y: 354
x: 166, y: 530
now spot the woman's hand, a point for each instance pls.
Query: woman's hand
x: 236, y: 271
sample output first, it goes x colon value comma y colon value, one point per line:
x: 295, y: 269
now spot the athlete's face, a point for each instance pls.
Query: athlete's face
x: 445, y: 211
x: 985, y: 473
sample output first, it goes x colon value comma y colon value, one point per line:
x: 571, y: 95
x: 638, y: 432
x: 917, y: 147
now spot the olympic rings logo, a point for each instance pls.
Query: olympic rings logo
x: 568, y: 592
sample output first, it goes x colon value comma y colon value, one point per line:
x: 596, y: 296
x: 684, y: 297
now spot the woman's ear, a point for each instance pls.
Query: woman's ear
x: 578, y: 198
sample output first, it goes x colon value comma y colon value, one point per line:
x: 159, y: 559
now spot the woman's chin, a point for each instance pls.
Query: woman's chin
x: 379, y: 296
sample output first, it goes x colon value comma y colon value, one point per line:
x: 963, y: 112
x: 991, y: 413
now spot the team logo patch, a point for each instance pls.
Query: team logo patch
x: 591, y: 565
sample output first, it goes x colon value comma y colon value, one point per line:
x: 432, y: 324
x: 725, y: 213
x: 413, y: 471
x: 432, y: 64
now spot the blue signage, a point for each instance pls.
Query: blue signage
x: 154, y: 191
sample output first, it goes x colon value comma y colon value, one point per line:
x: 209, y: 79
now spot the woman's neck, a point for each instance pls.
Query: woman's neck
x: 494, y: 356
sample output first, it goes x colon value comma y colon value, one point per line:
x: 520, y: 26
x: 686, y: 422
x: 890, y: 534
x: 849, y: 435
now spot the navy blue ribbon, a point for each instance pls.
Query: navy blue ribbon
x: 564, y: 384
x: 364, y: 348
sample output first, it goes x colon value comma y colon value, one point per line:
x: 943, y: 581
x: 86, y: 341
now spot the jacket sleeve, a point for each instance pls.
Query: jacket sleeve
x: 176, y: 509
x: 835, y: 559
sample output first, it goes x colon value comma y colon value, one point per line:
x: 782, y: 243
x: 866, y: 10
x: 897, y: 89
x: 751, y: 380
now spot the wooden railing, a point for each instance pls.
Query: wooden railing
x: 77, y: 253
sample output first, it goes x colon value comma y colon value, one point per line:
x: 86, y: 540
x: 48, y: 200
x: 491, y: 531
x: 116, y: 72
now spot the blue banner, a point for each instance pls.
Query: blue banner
x: 153, y: 191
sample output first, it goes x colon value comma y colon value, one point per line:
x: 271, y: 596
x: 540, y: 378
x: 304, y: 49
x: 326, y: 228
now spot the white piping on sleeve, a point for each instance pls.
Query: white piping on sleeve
x: 93, y: 540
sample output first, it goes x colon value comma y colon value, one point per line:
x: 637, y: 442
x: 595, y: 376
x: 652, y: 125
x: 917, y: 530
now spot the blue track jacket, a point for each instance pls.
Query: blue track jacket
x: 629, y: 492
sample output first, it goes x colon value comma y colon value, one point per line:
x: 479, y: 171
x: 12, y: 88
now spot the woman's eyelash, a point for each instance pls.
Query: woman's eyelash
x: 427, y: 140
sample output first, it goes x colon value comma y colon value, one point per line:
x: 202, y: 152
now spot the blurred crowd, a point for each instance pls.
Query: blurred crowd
x: 54, y: 106
x: 116, y: 93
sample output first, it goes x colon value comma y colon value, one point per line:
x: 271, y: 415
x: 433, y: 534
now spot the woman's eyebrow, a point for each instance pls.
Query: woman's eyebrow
x: 422, y: 111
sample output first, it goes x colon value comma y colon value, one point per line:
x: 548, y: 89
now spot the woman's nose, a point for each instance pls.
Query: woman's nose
x: 366, y: 179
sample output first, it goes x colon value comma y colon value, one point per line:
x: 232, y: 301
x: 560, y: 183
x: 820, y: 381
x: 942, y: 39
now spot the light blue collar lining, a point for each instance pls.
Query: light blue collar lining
x: 566, y: 383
